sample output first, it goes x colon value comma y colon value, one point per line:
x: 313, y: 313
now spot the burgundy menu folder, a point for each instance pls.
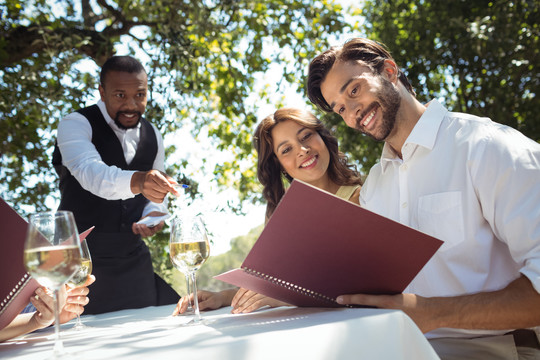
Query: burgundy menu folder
x: 16, y: 285
x: 317, y: 246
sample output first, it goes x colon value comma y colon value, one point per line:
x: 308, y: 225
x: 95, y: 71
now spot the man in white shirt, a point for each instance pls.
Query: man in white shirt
x: 111, y: 166
x: 466, y: 180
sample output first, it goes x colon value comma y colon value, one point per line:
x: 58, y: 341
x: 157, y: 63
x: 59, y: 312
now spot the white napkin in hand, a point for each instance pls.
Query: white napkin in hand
x: 152, y: 221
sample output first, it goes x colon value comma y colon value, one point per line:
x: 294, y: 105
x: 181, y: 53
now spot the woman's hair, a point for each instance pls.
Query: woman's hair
x: 269, y: 169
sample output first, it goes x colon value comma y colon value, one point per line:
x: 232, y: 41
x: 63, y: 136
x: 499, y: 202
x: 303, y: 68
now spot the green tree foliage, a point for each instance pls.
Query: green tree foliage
x: 240, y: 247
x: 479, y: 57
x: 482, y: 57
x: 203, y: 59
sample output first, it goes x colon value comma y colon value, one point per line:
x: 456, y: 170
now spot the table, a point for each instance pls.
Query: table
x: 280, y: 333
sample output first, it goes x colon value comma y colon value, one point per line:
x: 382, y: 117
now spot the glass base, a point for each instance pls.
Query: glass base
x: 64, y: 355
x: 201, y: 321
x: 189, y: 311
x: 189, y: 320
x: 77, y: 327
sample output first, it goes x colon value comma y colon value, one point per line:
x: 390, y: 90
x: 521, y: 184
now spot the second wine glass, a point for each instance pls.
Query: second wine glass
x: 80, y: 278
x: 189, y: 248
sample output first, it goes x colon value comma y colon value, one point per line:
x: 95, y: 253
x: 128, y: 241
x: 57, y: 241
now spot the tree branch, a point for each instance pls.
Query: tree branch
x: 115, y: 12
x: 89, y: 17
x: 26, y: 41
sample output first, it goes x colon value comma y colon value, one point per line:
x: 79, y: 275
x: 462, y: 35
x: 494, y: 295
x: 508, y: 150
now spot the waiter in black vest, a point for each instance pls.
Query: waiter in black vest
x: 111, y: 166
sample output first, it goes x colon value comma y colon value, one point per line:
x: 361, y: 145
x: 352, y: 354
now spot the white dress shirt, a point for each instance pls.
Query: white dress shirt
x: 80, y: 157
x: 474, y: 184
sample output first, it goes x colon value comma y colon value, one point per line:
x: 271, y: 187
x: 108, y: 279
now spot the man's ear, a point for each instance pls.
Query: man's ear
x: 101, y: 92
x: 390, y: 71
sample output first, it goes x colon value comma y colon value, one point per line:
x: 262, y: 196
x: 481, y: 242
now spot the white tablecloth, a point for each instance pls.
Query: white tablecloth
x: 282, y: 333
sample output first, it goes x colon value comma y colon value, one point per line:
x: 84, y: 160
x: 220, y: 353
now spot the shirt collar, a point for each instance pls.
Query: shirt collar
x: 423, y: 134
x: 101, y: 105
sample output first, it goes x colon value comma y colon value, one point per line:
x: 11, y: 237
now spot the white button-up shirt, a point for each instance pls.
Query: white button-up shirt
x: 474, y: 184
x: 80, y: 157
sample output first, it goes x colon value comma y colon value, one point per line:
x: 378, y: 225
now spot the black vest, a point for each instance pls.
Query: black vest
x: 108, y: 216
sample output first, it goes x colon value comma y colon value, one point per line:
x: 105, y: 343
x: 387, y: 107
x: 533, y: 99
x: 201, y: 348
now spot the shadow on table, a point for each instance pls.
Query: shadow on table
x: 266, y: 320
x: 140, y: 337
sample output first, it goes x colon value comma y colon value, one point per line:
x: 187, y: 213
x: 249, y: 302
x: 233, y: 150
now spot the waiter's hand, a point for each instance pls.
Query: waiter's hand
x: 144, y: 230
x: 153, y: 184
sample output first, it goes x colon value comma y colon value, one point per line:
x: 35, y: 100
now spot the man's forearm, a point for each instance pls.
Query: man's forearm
x: 516, y: 306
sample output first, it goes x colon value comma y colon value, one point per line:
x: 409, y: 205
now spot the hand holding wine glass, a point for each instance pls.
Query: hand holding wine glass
x: 189, y: 248
x: 52, y: 254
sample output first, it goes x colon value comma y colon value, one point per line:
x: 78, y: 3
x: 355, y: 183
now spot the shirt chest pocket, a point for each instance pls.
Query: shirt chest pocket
x: 441, y: 215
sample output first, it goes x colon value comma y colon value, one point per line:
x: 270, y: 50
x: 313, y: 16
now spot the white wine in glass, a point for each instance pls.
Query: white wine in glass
x: 178, y: 203
x: 189, y: 248
x: 52, y: 254
x: 80, y: 278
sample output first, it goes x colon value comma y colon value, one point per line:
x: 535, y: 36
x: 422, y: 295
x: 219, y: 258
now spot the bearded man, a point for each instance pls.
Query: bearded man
x: 110, y: 161
x: 466, y: 180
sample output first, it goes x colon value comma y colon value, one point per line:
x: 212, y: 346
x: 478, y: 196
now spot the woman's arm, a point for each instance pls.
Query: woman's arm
x: 71, y: 302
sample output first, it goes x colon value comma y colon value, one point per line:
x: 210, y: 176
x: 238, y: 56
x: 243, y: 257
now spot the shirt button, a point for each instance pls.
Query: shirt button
x: 404, y: 167
x: 404, y: 205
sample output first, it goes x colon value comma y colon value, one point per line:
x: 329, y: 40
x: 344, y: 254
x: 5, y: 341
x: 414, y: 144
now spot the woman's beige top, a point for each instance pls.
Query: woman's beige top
x: 346, y: 191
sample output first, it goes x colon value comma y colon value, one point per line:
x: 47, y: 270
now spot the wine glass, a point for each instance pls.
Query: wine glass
x: 178, y: 203
x: 80, y: 278
x: 52, y: 254
x: 189, y: 248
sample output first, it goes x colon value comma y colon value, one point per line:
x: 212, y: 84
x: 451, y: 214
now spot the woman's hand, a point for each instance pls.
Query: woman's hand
x: 70, y: 302
x: 77, y: 298
x: 246, y: 301
x: 44, y: 303
x: 208, y: 300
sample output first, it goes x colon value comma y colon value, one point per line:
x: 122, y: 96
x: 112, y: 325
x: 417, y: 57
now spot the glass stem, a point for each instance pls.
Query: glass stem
x: 197, y: 317
x: 79, y: 322
x: 58, y: 345
x: 189, y: 307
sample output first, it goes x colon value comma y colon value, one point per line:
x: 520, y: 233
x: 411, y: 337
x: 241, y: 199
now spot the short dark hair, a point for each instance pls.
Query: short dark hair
x: 369, y: 52
x: 120, y: 63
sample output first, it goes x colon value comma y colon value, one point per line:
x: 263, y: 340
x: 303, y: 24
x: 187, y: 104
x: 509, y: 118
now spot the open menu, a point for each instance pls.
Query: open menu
x: 317, y: 246
x: 16, y: 284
